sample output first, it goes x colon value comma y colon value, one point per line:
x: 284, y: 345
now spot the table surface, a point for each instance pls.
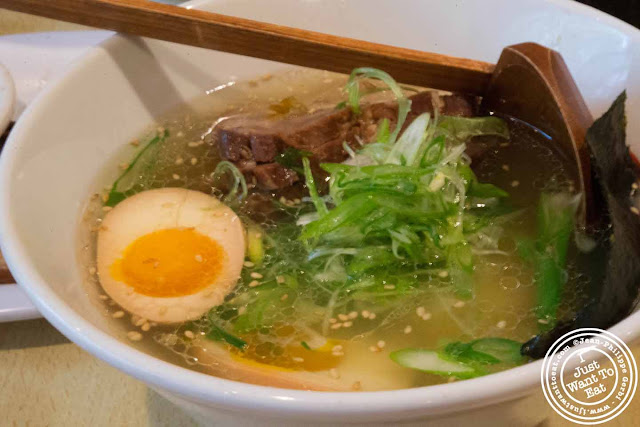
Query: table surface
x: 47, y: 380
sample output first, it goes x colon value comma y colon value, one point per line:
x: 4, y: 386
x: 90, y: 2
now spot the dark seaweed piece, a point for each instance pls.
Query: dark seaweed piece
x: 614, y: 265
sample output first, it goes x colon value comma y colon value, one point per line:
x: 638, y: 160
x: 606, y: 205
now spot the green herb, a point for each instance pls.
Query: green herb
x: 463, y: 128
x: 353, y: 91
x: 216, y: 333
x: 432, y: 362
x: 311, y: 186
x: 462, y: 360
x: 264, y: 309
x: 291, y: 158
x: 239, y: 183
x: 305, y: 345
x: 255, y: 247
x: 411, y: 203
x: 128, y: 182
x: 555, y: 222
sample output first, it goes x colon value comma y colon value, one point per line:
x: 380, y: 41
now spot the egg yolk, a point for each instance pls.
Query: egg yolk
x: 170, y: 263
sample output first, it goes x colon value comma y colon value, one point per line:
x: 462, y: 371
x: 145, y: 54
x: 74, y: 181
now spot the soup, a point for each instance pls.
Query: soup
x: 318, y: 231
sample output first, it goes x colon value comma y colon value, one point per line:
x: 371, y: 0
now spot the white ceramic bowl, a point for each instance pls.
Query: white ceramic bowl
x: 64, y: 138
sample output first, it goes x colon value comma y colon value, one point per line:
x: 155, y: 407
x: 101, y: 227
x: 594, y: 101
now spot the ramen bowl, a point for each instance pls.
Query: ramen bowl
x: 61, y: 143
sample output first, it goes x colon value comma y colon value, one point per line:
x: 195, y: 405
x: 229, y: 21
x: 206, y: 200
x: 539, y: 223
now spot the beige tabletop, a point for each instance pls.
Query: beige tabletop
x: 45, y: 380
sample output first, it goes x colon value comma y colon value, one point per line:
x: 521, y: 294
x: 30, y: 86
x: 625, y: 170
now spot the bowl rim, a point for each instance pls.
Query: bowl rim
x: 435, y: 400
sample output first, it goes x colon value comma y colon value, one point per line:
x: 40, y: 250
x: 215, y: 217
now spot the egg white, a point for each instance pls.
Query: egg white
x: 166, y: 208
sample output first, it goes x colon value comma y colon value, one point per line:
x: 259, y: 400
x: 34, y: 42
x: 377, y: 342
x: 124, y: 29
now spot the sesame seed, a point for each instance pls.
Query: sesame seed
x: 634, y: 185
x: 333, y: 320
x: 443, y: 274
x: 337, y: 347
x: 135, y: 143
x: 199, y: 258
x: 347, y: 324
x: 381, y: 344
x: 248, y: 264
x: 92, y: 270
x: 501, y: 324
x: 374, y: 349
x: 543, y: 321
x: 134, y: 335
x: 353, y: 315
x: 175, y: 176
x: 179, y: 161
x: 420, y: 311
x: 103, y: 297
x: 254, y: 283
x: 284, y: 297
x: 372, y: 316
x: 426, y: 316
x: 408, y: 329
x: 336, y: 326
x: 343, y: 317
x: 255, y: 275
x: 459, y: 304
x: 280, y: 279
x: 194, y: 160
x: 515, y: 183
x: 195, y: 144
x: 140, y: 321
x: 365, y: 314
x: 389, y: 286
x: 189, y: 334
x: 504, y: 144
x: 333, y: 372
x: 635, y: 210
x: 118, y: 314
x: 505, y: 168
x: 180, y: 134
x: 146, y: 327
x: 297, y: 359
x: 242, y: 310
x: 106, y: 208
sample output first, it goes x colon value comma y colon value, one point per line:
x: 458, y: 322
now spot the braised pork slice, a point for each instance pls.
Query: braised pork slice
x: 254, y: 142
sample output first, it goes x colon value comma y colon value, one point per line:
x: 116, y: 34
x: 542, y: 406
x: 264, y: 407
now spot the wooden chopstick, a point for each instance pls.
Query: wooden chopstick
x: 263, y: 40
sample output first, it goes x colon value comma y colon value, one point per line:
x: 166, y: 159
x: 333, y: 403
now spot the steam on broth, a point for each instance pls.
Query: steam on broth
x: 414, y: 262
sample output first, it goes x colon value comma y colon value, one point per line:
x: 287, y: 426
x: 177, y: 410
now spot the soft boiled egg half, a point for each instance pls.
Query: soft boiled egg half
x: 171, y: 254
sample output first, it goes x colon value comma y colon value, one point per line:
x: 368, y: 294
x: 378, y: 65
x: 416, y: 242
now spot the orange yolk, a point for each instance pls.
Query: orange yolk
x: 170, y: 263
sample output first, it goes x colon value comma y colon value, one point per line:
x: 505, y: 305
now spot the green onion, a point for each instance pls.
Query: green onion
x: 239, y: 183
x: 255, y: 246
x: 353, y: 91
x: 463, y: 128
x: 125, y: 185
x: 216, y: 333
